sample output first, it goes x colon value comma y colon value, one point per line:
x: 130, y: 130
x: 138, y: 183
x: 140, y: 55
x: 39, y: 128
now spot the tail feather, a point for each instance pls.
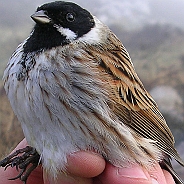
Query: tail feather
x: 166, y: 164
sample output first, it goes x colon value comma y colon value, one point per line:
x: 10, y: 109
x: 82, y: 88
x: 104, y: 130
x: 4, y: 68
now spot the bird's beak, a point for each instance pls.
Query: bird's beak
x: 41, y: 17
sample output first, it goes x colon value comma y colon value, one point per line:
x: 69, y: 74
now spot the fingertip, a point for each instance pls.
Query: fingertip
x: 21, y: 145
x: 157, y: 176
x: 168, y: 177
x: 85, y: 164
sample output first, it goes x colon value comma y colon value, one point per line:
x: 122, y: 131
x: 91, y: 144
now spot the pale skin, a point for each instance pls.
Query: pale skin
x: 89, y: 168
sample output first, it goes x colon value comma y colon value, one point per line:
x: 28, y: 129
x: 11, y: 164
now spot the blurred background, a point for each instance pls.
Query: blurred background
x: 151, y: 30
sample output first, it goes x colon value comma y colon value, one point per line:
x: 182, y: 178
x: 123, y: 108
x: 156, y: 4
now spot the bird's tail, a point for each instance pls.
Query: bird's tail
x: 167, y: 165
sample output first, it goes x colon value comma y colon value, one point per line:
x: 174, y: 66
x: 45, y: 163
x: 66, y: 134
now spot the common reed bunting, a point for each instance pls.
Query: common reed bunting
x: 73, y: 87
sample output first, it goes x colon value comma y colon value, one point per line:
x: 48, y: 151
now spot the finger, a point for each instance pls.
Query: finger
x: 134, y: 175
x: 157, y: 175
x: 168, y: 177
x: 85, y: 164
x: 65, y: 179
x: 6, y: 175
x: 126, y: 175
x: 81, y: 168
x: 21, y: 145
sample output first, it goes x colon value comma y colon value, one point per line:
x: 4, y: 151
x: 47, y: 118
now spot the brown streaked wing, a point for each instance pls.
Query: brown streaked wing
x: 133, y: 104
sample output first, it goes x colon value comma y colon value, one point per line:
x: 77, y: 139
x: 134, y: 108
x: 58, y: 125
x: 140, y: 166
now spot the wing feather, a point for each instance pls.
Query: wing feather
x: 133, y: 104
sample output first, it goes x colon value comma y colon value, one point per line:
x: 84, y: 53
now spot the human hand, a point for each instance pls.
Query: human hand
x: 90, y: 168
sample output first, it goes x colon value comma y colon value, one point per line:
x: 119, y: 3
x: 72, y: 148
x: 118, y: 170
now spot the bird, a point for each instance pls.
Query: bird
x: 73, y: 87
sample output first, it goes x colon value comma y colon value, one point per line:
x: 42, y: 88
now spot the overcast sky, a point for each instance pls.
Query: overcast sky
x: 134, y: 13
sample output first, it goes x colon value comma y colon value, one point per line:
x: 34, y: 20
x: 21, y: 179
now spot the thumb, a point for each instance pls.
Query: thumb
x: 133, y: 175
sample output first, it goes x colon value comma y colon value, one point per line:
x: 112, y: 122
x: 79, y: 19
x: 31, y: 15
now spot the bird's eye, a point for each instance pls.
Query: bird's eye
x: 70, y: 17
x: 46, y: 12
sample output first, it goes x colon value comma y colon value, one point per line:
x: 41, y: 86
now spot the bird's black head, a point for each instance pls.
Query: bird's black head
x: 58, y: 23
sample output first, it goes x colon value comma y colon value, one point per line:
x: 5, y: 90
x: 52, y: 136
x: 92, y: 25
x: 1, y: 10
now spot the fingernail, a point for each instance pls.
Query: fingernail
x: 135, y: 172
x: 154, y: 181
